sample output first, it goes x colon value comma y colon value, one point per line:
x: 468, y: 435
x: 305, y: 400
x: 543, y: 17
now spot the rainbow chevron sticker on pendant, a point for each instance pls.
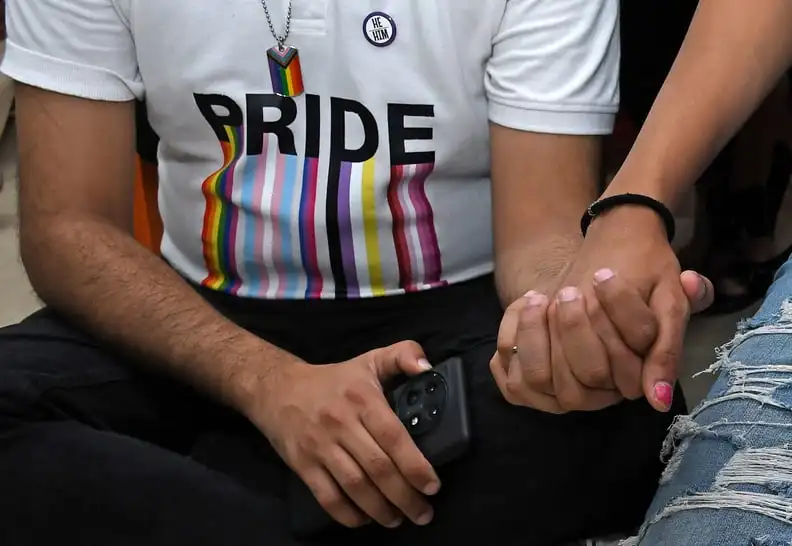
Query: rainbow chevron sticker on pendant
x: 285, y: 71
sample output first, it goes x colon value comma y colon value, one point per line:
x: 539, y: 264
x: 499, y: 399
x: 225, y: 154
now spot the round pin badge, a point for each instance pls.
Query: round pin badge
x: 379, y: 29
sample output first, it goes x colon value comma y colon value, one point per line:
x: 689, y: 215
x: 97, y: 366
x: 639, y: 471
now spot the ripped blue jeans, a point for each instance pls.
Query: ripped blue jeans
x: 729, y: 480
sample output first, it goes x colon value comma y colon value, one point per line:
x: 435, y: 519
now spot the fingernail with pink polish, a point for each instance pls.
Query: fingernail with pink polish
x: 603, y: 275
x: 664, y: 394
x: 568, y: 294
x: 424, y: 364
x: 536, y: 300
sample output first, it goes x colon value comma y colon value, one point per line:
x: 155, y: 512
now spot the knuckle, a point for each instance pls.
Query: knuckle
x: 375, y: 354
x: 352, y: 480
x: 380, y: 467
x: 331, y: 501
x: 512, y: 391
x: 408, y: 346
x: 514, y: 387
x: 669, y: 358
x: 531, y: 323
x: 494, y: 362
x: 537, y: 377
x: 505, y: 345
x: 358, y: 393
x: 570, y: 400
x: 645, y: 331
x: 593, y: 376
x: 330, y: 418
x: 391, y: 435
x: 508, y: 394
x: 495, y: 367
x: 678, y: 308
x: 672, y: 354
x: 309, y: 442
x: 506, y: 331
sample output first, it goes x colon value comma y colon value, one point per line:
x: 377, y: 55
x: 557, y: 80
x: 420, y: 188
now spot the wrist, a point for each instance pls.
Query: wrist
x: 628, y: 221
x: 253, y: 370
x: 538, y: 266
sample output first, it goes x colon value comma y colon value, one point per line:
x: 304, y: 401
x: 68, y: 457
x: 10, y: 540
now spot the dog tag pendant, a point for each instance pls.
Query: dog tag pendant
x: 285, y: 71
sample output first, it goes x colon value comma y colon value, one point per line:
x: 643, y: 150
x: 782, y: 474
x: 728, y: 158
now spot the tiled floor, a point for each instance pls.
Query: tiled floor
x: 17, y: 299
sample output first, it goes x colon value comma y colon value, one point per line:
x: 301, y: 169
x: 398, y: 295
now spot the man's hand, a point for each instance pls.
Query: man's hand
x: 614, y: 331
x: 333, y: 426
x: 523, y: 367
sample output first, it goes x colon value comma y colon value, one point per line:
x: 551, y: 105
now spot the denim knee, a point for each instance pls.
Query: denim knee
x: 729, y: 480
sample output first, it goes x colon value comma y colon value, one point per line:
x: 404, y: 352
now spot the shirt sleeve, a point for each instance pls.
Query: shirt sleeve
x: 82, y: 48
x: 554, y: 66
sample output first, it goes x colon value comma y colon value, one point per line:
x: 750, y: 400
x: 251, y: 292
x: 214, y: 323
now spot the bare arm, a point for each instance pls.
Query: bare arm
x: 77, y: 164
x: 733, y: 56
x: 552, y: 84
x: 541, y: 184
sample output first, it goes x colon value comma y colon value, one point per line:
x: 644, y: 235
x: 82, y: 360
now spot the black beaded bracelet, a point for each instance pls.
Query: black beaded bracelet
x: 603, y: 205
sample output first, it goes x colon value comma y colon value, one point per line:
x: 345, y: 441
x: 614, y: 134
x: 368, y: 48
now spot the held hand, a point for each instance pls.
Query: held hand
x: 621, y: 304
x: 638, y: 303
x: 585, y: 349
x: 528, y: 373
x: 333, y: 426
x: 524, y: 369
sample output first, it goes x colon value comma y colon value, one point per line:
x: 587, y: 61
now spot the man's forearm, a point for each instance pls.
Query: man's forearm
x: 97, y: 275
x: 733, y: 55
x: 541, y: 185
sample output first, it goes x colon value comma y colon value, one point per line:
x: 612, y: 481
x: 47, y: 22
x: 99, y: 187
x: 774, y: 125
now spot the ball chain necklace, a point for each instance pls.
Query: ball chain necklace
x: 284, y: 60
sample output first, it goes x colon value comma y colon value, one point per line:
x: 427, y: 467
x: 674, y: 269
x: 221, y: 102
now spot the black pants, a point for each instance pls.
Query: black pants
x: 93, y: 451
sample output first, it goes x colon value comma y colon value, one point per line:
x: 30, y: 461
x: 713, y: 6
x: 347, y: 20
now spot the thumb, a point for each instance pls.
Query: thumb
x: 698, y: 289
x: 406, y: 357
x: 661, y: 364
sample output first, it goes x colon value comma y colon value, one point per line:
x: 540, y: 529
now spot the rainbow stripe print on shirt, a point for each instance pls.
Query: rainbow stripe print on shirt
x: 285, y: 71
x: 277, y: 254
x: 221, y: 218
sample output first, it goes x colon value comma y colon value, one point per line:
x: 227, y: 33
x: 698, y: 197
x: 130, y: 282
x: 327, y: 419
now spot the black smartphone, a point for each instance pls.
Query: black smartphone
x: 432, y: 406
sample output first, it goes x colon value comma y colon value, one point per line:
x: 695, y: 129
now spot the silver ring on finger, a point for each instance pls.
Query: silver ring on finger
x: 514, y: 349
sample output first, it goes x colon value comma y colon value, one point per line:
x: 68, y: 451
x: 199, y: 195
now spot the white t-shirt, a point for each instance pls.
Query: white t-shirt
x: 375, y: 180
